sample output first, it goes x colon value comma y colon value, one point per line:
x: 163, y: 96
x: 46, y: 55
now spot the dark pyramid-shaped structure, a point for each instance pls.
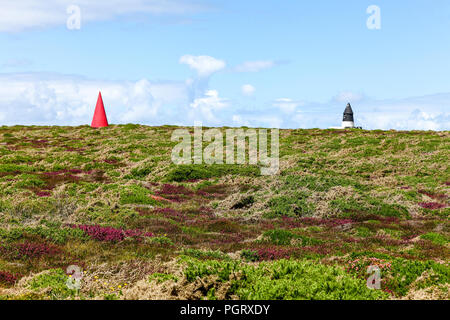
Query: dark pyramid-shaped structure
x: 348, y: 113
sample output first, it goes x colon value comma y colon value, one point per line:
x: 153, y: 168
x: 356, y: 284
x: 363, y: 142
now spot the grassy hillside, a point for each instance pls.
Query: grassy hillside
x: 111, y: 202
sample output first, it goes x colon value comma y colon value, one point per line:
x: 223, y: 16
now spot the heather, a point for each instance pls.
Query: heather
x: 110, y: 234
x: 112, y: 202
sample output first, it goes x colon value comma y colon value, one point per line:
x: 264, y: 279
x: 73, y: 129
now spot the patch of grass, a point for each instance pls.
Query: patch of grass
x: 333, y: 145
x: 52, y: 232
x: 308, y: 241
x: 29, y: 180
x: 363, y: 232
x: 162, y: 277
x: 429, y: 145
x: 136, y: 194
x: 436, y: 238
x: 198, y: 172
x: 57, y: 234
x: 368, y: 206
x: 388, y: 210
x: 141, y: 172
x: 200, y: 254
x: 396, y: 234
x: 368, y: 152
x: 279, y: 236
x: 322, y: 183
x: 289, y: 206
x: 15, y: 168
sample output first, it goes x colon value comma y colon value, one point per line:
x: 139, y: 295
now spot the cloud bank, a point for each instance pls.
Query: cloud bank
x: 248, y: 90
x: 205, y: 66
x: 68, y: 100
x: 55, y: 99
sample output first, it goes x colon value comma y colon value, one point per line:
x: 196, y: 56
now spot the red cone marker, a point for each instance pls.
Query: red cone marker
x: 99, y: 119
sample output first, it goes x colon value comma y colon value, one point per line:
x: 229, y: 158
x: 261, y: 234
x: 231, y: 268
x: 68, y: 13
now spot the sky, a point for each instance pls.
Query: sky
x: 266, y: 63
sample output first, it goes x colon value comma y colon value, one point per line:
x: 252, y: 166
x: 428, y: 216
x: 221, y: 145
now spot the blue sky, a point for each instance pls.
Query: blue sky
x: 286, y: 63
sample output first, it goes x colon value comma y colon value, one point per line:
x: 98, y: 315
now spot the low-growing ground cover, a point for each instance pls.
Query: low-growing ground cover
x: 111, y: 202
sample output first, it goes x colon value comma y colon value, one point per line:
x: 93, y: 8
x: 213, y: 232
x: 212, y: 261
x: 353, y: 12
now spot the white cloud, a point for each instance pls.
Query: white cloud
x: 255, y: 66
x: 25, y: 14
x: 248, y: 90
x: 207, y: 106
x: 394, y: 116
x: 287, y: 105
x: 430, y: 112
x: 204, y: 65
x: 54, y: 99
x: 211, y: 100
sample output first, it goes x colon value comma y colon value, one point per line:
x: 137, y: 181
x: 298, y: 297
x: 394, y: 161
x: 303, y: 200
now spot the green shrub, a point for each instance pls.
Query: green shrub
x: 290, y: 206
x: 197, y: 269
x: 249, y: 255
x: 56, y: 281
x: 12, y: 234
x: 139, y: 173
x: 285, y: 280
x: 161, y: 241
